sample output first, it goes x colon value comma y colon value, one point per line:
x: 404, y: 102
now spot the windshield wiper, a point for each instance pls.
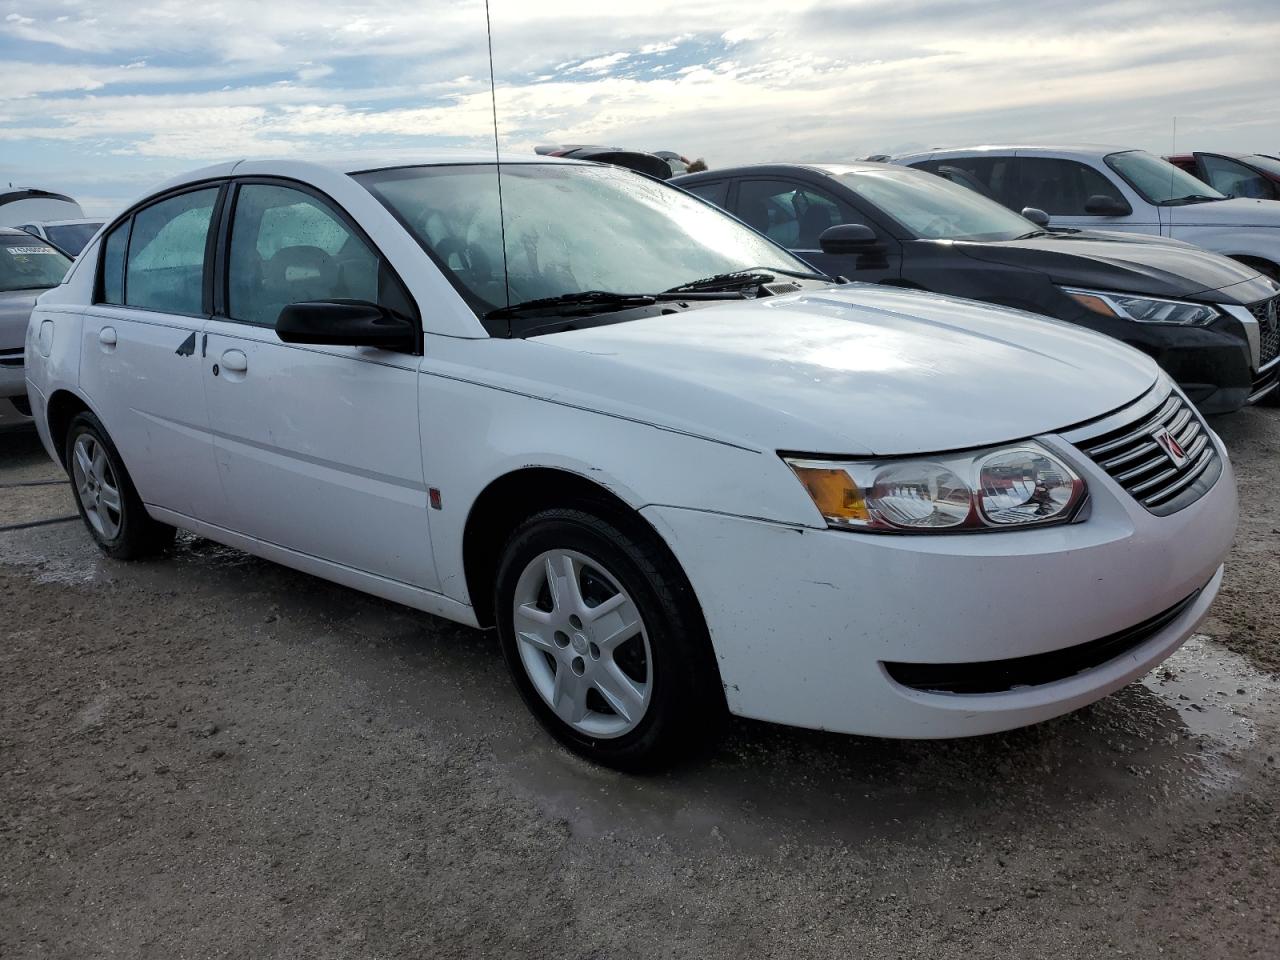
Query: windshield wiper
x: 743, y: 278
x: 1190, y: 198
x: 598, y: 301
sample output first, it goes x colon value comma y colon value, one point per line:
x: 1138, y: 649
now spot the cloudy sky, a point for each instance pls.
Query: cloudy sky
x: 101, y: 98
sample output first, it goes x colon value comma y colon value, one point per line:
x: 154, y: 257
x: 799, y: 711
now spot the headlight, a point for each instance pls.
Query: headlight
x: 1143, y: 309
x: 1018, y: 485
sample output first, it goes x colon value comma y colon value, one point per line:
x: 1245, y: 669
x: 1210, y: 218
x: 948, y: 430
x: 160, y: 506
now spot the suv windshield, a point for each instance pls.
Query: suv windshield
x: 28, y: 263
x: 932, y: 208
x: 1159, y: 181
x: 569, y: 228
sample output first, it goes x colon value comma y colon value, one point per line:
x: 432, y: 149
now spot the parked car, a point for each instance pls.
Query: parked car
x: 1208, y: 320
x: 677, y: 470
x: 1234, y: 174
x: 28, y: 267
x: 1116, y: 189
x: 26, y: 205
x: 69, y: 236
x: 647, y: 163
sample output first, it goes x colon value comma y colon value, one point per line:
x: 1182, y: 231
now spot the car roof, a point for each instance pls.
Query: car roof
x: 68, y: 223
x: 14, y: 232
x: 1097, y: 150
x: 822, y: 169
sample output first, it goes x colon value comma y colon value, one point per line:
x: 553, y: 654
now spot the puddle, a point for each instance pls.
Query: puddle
x: 1217, y: 695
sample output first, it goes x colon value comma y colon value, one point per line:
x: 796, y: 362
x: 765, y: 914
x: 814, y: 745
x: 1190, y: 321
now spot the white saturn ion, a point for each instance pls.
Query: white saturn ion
x: 679, y: 472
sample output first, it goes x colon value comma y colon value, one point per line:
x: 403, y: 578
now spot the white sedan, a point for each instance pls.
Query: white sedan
x: 678, y: 471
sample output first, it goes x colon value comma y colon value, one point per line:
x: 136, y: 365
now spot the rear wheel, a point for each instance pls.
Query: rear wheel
x: 605, y: 642
x: 105, y: 495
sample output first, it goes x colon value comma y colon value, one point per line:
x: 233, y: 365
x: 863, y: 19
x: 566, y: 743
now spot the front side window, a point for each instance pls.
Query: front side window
x: 164, y: 269
x: 1234, y: 179
x: 1062, y: 188
x: 1159, y: 181
x: 28, y: 263
x: 789, y: 213
x: 569, y: 228
x: 288, y: 246
x: 932, y: 208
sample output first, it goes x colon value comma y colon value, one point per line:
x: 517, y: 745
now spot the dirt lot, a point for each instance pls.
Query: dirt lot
x: 212, y: 756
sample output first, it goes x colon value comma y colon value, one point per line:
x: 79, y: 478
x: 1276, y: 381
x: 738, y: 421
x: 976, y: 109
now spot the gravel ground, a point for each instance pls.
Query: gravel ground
x: 212, y: 756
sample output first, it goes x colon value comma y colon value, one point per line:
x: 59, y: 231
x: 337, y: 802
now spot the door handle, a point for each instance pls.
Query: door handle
x: 107, y: 336
x: 235, y: 361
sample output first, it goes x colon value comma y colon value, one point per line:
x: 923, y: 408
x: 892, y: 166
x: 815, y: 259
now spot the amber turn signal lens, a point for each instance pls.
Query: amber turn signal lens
x: 834, y: 492
x: 1090, y: 302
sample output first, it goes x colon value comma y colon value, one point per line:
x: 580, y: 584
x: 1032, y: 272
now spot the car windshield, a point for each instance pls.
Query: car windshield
x: 1159, y: 181
x: 71, y: 237
x: 933, y: 208
x: 28, y: 263
x: 569, y: 228
x: 1264, y: 163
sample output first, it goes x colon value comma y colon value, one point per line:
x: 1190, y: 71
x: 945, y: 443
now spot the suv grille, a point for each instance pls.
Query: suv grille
x: 1268, y: 328
x: 1133, y: 458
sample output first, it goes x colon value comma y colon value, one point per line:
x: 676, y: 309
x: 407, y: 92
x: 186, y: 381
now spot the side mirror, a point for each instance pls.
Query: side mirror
x: 1103, y: 206
x: 849, y: 238
x: 346, y: 323
x: 1036, y: 216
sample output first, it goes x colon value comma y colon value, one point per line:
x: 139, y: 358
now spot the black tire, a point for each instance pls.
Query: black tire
x: 686, y: 710
x: 138, y: 535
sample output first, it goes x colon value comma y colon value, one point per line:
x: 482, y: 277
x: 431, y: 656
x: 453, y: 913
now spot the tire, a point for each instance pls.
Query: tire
x: 106, y: 497
x: 636, y: 699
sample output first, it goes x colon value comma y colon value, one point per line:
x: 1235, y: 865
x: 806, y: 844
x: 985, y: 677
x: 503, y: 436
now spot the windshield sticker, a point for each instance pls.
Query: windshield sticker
x: 28, y: 251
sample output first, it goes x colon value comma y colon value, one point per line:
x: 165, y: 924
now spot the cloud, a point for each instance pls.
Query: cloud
x: 172, y: 84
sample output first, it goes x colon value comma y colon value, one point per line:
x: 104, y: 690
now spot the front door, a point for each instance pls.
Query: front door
x: 795, y: 214
x: 140, y: 367
x: 318, y: 447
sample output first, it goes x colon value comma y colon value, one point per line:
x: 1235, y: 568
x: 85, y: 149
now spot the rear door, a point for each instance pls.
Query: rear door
x: 318, y: 447
x: 139, y: 363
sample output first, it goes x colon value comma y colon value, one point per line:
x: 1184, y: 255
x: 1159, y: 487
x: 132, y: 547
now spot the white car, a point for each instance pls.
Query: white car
x: 677, y: 470
x: 1112, y: 188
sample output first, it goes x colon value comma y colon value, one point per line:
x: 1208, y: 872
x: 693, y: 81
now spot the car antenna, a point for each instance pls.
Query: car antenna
x: 497, y: 162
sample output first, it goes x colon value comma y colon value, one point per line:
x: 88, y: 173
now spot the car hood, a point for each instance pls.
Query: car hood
x: 1236, y: 212
x: 1082, y: 260
x: 856, y: 369
x: 15, y: 310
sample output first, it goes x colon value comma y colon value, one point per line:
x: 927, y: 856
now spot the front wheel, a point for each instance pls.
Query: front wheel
x: 605, y: 642
x: 105, y: 495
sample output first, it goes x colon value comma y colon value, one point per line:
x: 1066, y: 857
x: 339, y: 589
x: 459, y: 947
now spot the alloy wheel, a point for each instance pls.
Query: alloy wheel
x: 97, y: 486
x: 583, y: 643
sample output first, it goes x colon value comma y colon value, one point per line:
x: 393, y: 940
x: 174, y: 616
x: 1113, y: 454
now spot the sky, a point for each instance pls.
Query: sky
x: 102, y: 99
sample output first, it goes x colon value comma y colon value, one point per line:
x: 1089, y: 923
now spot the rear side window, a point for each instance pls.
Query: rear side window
x: 1061, y: 188
x: 991, y: 176
x: 113, y: 250
x: 165, y: 264
x: 288, y: 246
x: 716, y: 192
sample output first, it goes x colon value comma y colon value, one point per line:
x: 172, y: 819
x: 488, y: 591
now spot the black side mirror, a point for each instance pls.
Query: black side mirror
x: 1100, y: 205
x: 346, y: 323
x: 849, y: 238
x: 1036, y: 216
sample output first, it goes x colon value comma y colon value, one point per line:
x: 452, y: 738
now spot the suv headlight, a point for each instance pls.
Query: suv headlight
x: 1181, y: 313
x: 999, y: 488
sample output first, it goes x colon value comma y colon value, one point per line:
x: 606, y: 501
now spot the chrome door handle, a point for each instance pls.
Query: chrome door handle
x: 107, y: 336
x: 235, y: 361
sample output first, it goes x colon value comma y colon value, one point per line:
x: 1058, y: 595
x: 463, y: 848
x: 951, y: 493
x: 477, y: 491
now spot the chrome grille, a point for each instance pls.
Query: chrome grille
x: 1133, y: 458
x: 1268, y: 329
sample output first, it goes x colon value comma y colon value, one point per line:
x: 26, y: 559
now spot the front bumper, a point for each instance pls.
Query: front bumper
x: 803, y: 621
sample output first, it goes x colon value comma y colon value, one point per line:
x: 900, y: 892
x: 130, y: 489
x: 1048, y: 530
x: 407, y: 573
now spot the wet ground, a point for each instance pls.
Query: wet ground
x: 209, y: 755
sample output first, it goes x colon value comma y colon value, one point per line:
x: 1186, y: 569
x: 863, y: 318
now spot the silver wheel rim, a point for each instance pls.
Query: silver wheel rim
x: 96, y: 486
x: 583, y: 643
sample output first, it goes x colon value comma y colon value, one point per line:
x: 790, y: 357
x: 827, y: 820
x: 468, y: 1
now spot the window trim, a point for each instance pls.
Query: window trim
x: 130, y: 215
x: 220, y: 283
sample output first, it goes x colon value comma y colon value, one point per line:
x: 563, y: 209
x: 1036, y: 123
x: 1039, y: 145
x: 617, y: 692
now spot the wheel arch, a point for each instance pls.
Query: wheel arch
x: 516, y: 495
x: 62, y: 406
